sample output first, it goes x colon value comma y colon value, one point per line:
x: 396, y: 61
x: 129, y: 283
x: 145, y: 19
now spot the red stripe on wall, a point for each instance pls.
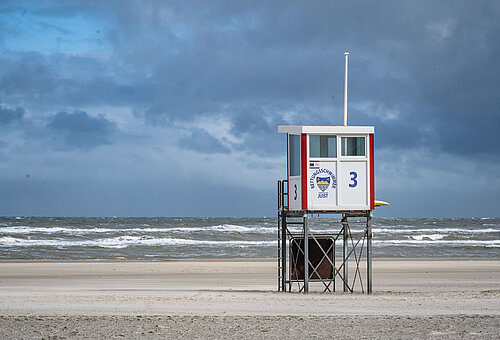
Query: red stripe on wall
x: 287, y: 173
x: 303, y: 169
x: 372, y: 172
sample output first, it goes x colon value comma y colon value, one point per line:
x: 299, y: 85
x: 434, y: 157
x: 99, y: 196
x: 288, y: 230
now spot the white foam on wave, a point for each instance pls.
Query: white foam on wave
x: 127, y: 241
x: 452, y: 243
x: 435, y: 230
x: 53, y: 230
x: 69, y: 230
x: 432, y: 237
x: 242, y: 229
x: 231, y: 228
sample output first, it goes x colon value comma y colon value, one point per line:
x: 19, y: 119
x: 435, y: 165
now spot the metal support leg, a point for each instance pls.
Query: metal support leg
x: 283, y: 253
x: 306, y: 255
x: 345, y: 255
x: 279, y: 250
x: 334, y: 266
x: 369, y: 252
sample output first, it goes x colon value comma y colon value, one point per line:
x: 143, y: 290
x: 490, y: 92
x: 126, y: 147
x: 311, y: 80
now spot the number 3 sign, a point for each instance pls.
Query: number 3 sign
x: 354, y: 182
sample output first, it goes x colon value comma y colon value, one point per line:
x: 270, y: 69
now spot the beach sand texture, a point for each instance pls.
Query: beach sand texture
x: 238, y: 299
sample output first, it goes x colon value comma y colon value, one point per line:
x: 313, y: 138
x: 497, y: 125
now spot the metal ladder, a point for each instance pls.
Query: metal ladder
x: 282, y: 207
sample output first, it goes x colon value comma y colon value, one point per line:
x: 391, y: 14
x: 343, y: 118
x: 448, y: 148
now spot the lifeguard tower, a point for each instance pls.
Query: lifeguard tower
x: 330, y: 170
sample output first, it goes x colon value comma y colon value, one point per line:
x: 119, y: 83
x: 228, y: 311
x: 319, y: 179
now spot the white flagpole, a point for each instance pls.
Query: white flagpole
x: 346, y: 54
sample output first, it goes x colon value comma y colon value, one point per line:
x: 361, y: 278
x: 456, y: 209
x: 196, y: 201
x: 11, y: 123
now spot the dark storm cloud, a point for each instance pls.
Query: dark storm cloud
x: 201, y: 141
x: 59, y: 79
x: 79, y: 130
x: 8, y: 116
x: 474, y: 136
x: 433, y: 63
x: 257, y: 128
x: 27, y: 77
x: 251, y: 119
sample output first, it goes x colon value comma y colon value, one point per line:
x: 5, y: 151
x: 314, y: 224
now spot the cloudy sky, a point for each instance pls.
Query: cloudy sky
x: 171, y: 108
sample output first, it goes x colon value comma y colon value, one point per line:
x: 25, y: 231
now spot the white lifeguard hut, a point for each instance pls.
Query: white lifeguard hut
x: 330, y: 170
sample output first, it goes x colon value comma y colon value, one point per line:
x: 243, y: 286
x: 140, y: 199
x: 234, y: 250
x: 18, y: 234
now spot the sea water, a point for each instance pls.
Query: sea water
x: 156, y: 239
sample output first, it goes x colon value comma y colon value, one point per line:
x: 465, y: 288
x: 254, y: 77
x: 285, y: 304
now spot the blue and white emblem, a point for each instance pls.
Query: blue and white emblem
x: 324, y: 179
x: 323, y: 182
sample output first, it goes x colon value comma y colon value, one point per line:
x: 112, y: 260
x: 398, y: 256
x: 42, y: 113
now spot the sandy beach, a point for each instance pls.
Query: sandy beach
x: 431, y: 298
